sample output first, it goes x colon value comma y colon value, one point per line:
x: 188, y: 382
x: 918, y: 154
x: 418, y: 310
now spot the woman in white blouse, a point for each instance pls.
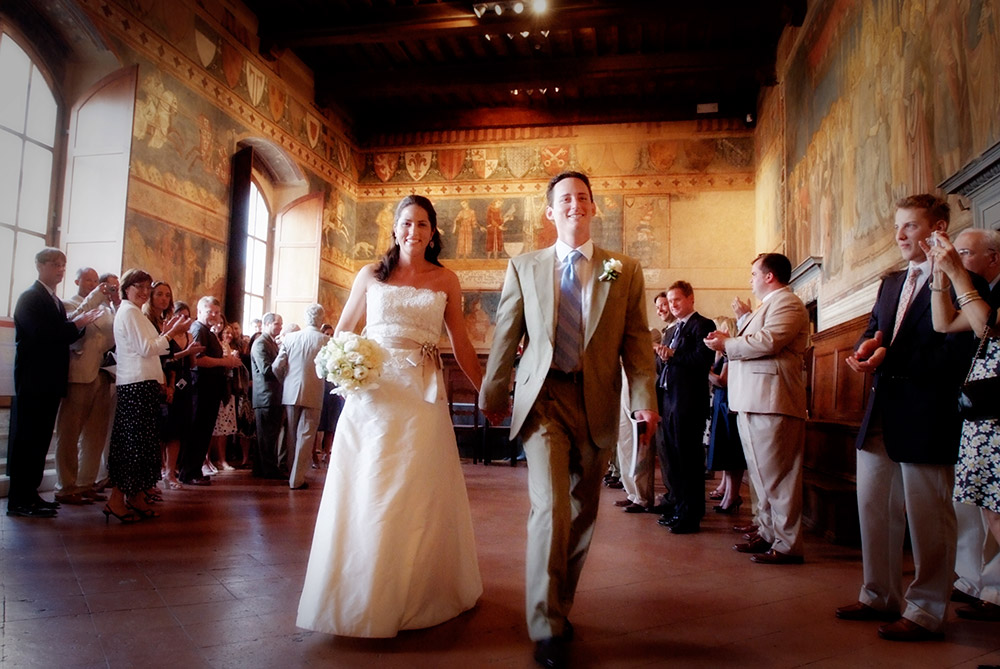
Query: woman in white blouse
x: 134, y: 454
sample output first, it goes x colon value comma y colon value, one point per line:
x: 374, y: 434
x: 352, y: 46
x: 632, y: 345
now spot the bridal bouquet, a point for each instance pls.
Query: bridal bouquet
x: 352, y: 362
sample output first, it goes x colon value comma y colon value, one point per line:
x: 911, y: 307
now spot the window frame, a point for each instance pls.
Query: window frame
x: 50, y: 237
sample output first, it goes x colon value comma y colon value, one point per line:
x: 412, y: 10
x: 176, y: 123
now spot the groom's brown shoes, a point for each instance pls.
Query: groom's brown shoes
x: 552, y: 652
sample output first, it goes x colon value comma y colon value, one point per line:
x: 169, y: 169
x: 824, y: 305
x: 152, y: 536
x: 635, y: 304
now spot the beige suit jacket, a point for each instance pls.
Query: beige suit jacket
x: 765, y: 360
x: 616, y: 337
x: 87, y: 353
x: 296, y: 367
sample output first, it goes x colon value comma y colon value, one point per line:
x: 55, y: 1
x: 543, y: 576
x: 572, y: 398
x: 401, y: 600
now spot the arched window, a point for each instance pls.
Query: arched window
x: 255, y: 283
x: 29, y: 117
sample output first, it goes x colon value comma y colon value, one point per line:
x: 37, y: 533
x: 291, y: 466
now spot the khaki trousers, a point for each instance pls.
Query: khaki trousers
x: 82, y: 428
x: 565, y: 468
x: 774, y: 446
x: 300, y: 431
x: 892, y: 495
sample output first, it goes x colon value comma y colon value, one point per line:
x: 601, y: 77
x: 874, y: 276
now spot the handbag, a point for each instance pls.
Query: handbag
x: 979, y: 399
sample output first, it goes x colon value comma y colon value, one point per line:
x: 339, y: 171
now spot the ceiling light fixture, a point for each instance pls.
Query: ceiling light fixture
x: 487, y: 10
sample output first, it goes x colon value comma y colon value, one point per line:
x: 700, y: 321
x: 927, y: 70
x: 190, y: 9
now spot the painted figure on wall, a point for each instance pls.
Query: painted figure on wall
x: 606, y: 226
x: 641, y: 238
x: 464, y: 227
x: 383, y: 225
x: 495, y: 220
x: 335, y: 232
x: 154, y: 114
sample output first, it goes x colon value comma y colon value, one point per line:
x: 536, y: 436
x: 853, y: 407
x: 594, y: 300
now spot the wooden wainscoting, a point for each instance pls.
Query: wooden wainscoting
x: 837, y: 400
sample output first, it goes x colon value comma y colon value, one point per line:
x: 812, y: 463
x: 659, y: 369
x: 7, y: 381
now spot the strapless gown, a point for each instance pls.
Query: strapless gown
x: 393, y: 547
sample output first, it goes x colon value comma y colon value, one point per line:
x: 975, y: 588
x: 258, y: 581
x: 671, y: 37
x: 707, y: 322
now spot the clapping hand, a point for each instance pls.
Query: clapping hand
x: 716, y: 340
x: 663, y: 351
x: 740, y: 308
x: 176, y: 324
x: 86, y: 318
x: 868, y: 356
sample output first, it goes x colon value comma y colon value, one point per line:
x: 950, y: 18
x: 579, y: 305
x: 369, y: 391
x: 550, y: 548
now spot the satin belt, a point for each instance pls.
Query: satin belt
x: 426, y: 356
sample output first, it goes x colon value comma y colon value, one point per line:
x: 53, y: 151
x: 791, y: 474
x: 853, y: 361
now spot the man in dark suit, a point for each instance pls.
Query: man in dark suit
x: 684, y: 408
x: 42, y: 336
x: 908, y: 440
x: 977, y: 562
x: 267, y: 406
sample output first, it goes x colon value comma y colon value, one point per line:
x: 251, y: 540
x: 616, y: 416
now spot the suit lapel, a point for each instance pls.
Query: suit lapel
x: 543, y: 279
x: 598, y: 294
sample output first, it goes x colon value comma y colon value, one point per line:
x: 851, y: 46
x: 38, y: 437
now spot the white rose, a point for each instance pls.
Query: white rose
x: 360, y: 373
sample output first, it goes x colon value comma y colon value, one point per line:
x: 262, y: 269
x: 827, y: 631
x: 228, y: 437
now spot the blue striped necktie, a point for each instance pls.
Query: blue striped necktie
x: 569, y: 327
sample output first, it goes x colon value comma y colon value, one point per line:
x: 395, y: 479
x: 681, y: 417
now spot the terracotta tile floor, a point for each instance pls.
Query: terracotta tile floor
x: 215, y: 582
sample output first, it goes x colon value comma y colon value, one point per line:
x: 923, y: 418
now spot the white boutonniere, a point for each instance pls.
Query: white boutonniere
x: 612, y: 270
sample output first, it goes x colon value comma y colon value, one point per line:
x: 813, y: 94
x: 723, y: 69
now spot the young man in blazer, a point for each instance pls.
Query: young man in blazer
x: 767, y: 388
x: 579, y: 310
x: 908, y: 441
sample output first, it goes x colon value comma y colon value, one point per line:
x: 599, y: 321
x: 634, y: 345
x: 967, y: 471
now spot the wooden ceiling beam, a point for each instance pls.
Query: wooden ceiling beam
x: 526, y: 73
x: 456, y: 19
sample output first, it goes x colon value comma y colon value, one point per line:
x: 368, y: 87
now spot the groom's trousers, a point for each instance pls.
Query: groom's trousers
x: 565, y: 468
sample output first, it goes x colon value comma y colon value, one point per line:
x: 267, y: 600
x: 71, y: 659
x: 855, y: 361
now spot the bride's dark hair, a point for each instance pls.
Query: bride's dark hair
x: 388, y: 262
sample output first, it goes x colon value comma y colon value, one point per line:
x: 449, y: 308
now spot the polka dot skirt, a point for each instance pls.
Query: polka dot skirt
x: 134, y: 455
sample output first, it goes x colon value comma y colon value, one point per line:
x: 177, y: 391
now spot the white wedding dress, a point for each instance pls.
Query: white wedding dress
x: 393, y: 547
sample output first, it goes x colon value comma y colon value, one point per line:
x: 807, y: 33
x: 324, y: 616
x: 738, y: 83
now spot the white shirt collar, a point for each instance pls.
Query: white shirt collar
x: 925, y: 267
x: 586, y: 249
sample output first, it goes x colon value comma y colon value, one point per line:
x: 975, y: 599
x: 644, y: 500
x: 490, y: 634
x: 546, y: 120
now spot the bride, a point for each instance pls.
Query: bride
x: 393, y: 547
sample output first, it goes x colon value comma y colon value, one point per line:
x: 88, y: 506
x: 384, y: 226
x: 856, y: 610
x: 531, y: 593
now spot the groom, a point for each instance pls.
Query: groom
x: 580, y: 311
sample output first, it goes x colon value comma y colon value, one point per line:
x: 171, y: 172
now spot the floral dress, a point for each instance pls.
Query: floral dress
x: 977, y: 474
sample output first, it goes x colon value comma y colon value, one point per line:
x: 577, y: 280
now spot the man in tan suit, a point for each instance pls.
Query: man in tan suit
x: 302, y: 393
x: 580, y: 311
x: 767, y: 388
x: 85, y: 414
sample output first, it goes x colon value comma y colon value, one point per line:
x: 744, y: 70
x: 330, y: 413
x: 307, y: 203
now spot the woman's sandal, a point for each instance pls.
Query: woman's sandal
x: 126, y: 518
x: 145, y: 513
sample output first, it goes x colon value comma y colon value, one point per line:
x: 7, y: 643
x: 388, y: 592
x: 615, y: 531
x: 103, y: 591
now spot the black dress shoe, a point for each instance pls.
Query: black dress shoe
x: 981, y: 610
x: 304, y: 486
x: 634, y: 508
x: 23, y: 511
x: 663, y: 521
x: 684, y: 527
x: 552, y: 653
x: 42, y: 504
x: 568, y: 632
x: 963, y: 598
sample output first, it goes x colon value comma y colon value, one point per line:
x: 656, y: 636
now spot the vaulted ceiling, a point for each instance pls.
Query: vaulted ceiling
x: 412, y: 65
